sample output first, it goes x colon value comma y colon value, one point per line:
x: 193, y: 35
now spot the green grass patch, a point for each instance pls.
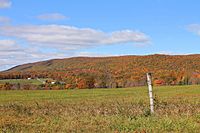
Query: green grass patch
x: 177, y: 109
x: 22, y: 81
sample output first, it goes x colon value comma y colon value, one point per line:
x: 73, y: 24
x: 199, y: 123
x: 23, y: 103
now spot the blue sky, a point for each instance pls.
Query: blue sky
x: 33, y: 30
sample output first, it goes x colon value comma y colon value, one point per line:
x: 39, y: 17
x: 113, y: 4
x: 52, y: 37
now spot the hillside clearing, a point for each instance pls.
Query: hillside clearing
x: 22, y: 81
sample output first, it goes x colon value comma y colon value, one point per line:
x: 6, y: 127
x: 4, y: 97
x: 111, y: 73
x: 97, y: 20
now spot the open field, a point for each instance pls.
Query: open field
x: 22, y: 81
x: 101, y: 110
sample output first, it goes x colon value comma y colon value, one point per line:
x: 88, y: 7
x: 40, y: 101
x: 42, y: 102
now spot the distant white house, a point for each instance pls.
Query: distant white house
x: 29, y: 78
x: 53, y: 83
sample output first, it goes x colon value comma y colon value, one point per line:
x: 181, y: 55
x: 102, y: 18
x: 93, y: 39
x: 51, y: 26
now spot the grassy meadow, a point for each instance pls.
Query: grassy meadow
x: 177, y: 109
x: 22, y: 81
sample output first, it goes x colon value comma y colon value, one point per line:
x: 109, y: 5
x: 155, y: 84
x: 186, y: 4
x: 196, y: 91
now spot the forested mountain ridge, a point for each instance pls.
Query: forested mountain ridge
x: 121, y: 71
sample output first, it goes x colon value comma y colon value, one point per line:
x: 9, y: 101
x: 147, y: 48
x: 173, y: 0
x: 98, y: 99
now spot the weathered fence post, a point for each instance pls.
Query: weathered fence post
x: 149, y: 82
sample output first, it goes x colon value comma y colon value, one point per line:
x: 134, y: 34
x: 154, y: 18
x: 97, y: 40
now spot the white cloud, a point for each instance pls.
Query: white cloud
x: 7, y: 42
x: 195, y: 28
x: 90, y: 54
x: 12, y: 54
x: 67, y: 37
x: 173, y: 53
x: 4, y: 20
x: 52, y: 16
x: 166, y: 53
x: 5, y: 3
x: 126, y: 36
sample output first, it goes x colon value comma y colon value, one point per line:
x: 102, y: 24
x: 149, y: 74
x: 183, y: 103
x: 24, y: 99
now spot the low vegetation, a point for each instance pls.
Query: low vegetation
x: 22, y: 81
x: 177, y: 109
x: 31, y: 84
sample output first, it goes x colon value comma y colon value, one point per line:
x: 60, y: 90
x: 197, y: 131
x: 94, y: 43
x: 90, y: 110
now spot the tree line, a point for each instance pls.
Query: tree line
x: 113, y: 72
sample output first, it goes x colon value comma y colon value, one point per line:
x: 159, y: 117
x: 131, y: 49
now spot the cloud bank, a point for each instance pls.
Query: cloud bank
x: 13, y: 54
x: 68, y: 37
x: 5, y: 3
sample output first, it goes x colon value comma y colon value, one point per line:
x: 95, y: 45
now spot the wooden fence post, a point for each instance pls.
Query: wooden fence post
x: 150, y: 87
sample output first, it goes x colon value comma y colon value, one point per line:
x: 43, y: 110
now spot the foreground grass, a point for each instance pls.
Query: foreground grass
x: 101, y: 110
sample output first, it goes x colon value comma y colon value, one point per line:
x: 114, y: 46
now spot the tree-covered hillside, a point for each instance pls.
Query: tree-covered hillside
x: 112, y: 72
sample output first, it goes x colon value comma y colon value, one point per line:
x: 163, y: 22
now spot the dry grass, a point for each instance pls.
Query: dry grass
x: 107, y: 110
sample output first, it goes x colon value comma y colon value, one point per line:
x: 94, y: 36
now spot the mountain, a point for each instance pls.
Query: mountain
x: 121, y: 71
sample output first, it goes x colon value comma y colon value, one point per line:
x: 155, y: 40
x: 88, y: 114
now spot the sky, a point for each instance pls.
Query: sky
x: 33, y: 30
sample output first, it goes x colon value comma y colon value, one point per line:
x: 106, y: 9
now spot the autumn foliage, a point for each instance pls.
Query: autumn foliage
x: 113, y: 72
